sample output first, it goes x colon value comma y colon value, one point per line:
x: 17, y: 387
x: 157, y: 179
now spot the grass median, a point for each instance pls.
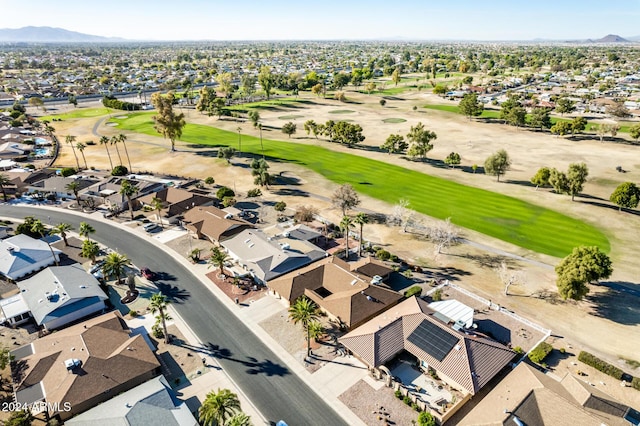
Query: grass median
x: 510, y: 219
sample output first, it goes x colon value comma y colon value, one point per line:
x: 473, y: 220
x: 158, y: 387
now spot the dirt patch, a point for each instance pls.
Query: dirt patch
x: 179, y: 360
x: 377, y: 407
x: 243, y: 290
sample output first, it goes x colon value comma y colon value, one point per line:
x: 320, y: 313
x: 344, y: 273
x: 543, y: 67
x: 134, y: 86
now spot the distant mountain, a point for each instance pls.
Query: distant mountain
x: 634, y: 38
x: 49, y: 35
x: 610, y: 38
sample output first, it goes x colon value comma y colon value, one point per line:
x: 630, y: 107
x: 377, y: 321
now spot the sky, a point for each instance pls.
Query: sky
x: 330, y: 19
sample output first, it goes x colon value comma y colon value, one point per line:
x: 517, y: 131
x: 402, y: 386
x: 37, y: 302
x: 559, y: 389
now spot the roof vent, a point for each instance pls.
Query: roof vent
x: 285, y: 246
x: 354, y: 282
x: 228, y: 216
x: 83, y: 286
x: 285, y: 234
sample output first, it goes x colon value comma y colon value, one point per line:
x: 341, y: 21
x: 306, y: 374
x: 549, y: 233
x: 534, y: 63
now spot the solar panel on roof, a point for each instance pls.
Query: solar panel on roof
x: 433, y: 340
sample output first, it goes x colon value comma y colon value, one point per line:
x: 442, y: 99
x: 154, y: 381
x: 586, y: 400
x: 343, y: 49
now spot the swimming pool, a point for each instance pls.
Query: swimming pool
x: 42, y: 141
x: 41, y: 151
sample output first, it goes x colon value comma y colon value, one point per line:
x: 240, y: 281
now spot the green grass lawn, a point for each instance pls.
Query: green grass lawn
x: 509, y: 219
x: 84, y: 113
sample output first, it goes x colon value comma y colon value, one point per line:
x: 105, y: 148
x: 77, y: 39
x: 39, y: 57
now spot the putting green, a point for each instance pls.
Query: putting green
x: 510, y: 219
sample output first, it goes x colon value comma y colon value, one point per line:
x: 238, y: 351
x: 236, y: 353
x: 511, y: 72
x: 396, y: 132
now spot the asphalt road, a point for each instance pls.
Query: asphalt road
x: 272, y: 387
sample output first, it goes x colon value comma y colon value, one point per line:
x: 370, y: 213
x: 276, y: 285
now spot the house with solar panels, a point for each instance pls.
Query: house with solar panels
x: 443, y: 347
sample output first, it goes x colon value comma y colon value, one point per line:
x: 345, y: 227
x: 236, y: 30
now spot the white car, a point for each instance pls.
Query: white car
x: 150, y: 227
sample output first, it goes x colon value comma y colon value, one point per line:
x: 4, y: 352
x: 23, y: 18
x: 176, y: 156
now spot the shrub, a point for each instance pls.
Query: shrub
x: 600, y: 365
x: 426, y: 419
x: 518, y: 350
x: 635, y: 383
x: 437, y: 295
x: 133, y: 313
x: 209, y: 180
x: 393, y: 258
x: 415, y: 406
x: 228, y: 201
x: 255, y: 192
x: 119, y: 171
x: 406, y: 400
x: 562, y: 350
x: 67, y: 171
x: 398, y: 394
x: 382, y: 254
x: 416, y: 290
x: 540, y: 352
x: 157, y: 332
x: 280, y: 206
x: 224, y: 192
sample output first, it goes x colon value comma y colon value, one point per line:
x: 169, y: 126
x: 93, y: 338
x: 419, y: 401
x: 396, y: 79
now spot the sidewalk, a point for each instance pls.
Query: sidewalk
x: 328, y: 382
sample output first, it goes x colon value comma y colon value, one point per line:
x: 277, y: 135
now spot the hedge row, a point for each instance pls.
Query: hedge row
x: 635, y: 383
x: 601, y: 365
x: 540, y: 352
x: 415, y: 290
x: 111, y: 102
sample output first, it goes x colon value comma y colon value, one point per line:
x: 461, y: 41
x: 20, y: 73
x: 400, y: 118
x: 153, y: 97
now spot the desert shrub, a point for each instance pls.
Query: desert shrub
x: 228, y: 201
x: 398, y: 394
x: 224, y: 192
x: 280, y: 206
x: 635, y: 383
x: 426, y: 419
x: 416, y: 290
x: 209, y: 180
x: 67, y: 171
x: 157, y: 332
x: 255, y: 192
x: 415, y: 406
x: 540, y: 352
x: 119, y: 171
x: 600, y: 365
x: 382, y: 254
x: 437, y: 295
x: 518, y: 350
x: 406, y: 400
x: 133, y: 313
x: 393, y: 258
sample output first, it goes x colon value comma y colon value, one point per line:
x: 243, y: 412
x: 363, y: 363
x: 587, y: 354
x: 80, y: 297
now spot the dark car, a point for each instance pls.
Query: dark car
x: 147, y: 273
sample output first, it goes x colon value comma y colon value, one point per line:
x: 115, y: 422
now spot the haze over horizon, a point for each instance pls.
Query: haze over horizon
x: 498, y: 20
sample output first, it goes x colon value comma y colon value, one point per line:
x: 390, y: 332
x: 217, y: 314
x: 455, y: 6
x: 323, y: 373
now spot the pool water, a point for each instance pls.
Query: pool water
x: 42, y: 141
x: 41, y: 151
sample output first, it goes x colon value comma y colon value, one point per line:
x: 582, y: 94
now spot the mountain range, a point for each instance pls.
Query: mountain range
x: 59, y: 35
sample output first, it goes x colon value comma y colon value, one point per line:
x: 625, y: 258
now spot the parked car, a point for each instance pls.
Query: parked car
x: 147, y: 273
x: 150, y: 227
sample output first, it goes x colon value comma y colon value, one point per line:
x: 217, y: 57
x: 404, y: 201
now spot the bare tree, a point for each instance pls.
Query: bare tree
x: 443, y: 235
x: 508, y: 276
x: 401, y: 215
x: 345, y: 198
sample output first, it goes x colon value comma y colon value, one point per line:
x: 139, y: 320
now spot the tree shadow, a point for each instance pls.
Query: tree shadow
x: 610, y: 207
x: 468, y: 169
x: 526, y: 183
x: 615, y: 306
x: 282, y: 179
x: 173, y: 293
x: 369, y: 148
x: 447, y: 273
x: 291, y: 192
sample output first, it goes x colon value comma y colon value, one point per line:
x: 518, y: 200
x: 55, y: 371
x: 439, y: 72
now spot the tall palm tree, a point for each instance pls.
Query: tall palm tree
x: 70, y: 139
x: 304, y: 311
x: 86, y: 230
x: 159, y: 304
x: 114, y: 142
x: 105, y: 141
x: 158, y: 205
x: 218, y: 258
x: 62, y: 229
x: 122, y: 138
x: 90, y: 250
x: 114, y: 264
x: 4, y: 180
x: 239, y: 139
x: 73, y: 187
x: 37, y: 227
x: 361, y: 219
x: 128, y: 190
x: 218, y: 407
x: 345, y: 225
x: 81, y: 148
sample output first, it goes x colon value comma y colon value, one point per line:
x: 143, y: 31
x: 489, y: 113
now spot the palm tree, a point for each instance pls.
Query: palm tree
x: 4, y: 180
x: 90, y: 250
x: 71, y: 140
x: 86, y: 230
x: 114, y: 264
x: 122, y: 138
x: 159, y: 304
x: 316, y: 329
x: 105, y: 141
x: 218, y: 258
x: 37, y: 227
x: 239, y: 139
x: 239, y: 419
x: 345, y: 225
x: 81, y: 148
x: 62, y: 229
x: 73, y: 187
x: 304, y: 311
x: 361, y: 219
x: 158, y: 205
x: 128, y: 190
x: 218, y: 407
x: 114, y: 142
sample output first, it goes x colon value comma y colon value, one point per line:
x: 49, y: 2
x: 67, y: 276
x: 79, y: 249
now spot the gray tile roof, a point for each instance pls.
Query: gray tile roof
x: 54, y: 291
x: 21, y: 254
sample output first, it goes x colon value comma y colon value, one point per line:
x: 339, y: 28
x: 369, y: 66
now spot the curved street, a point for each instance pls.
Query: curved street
x: 271, y: 386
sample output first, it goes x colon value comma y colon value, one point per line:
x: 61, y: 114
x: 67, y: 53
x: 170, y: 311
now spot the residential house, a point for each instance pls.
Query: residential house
x: 529, y: 397
x: 214, y: 224
x: 12, y: 149
x: 108, y: 192
x: 21, y: 255
x: 267, y: 258
x: 343, y: 295
x: 14, y: 311
x: 462, y: 358
x: 75, y: 369
x: 60, y: 295
x: 175, y: 202
x: 58, y: 185
x: 151, y: 403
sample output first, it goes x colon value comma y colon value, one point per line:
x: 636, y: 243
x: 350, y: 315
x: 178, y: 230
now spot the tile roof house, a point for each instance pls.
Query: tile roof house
x: 267, y: 258
x: 58, y: 185
x: 60, y: 295
x: 465, y: 360
x: 339, y: 292
x: 151, y: 403
x: 21, y: 255
x: 108, y: 191
x: 176, y: 201
x: 533, y: 398
x: 75, y: 369
x: 212, y: 223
